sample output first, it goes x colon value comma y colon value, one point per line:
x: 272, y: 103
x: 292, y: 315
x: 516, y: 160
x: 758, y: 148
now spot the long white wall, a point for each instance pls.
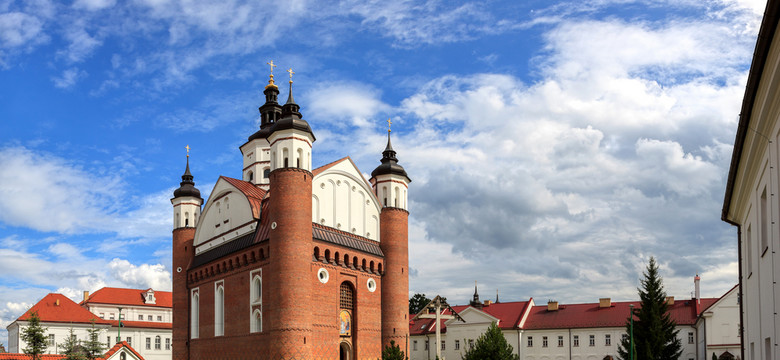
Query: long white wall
x: 342, y: 199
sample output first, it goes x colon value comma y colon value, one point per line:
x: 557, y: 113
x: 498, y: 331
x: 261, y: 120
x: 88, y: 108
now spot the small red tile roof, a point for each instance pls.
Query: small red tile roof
x: 59, y: 308
x: 254, y: 194
x: 141, y: 324
x: 130, y: 297
x: 508, y: 314
x: 118, y: 347
x: 14, y: 356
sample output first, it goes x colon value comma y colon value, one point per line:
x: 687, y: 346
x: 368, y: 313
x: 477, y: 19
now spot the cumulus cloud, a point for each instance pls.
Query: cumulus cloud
x: 142, y: 276
x: 68, y: 78
x: 17, y: 29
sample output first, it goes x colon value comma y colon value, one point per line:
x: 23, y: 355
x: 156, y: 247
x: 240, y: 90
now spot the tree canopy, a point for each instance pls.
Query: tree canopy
x: 491, y: 346
x: 393, y: 352
x: 417, y: 302
x: 655, y: 333
x: 33, y: 336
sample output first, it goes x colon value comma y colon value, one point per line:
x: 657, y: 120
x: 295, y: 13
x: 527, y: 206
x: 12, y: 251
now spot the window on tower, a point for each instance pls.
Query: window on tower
x: 266, y: 173
x: 251, y: 176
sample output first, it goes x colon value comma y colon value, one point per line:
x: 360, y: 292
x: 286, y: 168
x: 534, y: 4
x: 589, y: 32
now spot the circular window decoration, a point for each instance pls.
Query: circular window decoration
x: 273, y: 225
x: 371, y: 285
x: 323, y: 276
x: 178, y: 269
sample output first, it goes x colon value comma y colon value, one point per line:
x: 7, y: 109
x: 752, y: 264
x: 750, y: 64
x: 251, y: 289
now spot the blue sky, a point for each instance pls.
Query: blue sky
x: 553, y: 146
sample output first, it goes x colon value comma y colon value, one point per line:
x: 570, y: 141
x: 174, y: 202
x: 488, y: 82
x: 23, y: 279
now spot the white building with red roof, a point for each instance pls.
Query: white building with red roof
x: 146, y: 320
x: 590, y: 331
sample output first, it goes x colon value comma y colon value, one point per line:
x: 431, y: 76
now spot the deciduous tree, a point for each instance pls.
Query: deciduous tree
x: 491, y: 346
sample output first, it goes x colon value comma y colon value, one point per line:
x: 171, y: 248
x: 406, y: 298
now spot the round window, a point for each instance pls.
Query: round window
x: 323, y: 276
x: 371, y: 285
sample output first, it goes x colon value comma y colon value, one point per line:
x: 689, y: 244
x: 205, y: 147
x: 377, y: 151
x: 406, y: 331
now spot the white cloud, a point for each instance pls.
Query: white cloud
x: 69, y: 78
x: 17, y: 29
x: 93, y: 5
x: 143, y: 276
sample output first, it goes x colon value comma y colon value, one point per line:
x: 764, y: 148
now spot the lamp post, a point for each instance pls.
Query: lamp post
x: 119, y: 328
x: 631, y: 341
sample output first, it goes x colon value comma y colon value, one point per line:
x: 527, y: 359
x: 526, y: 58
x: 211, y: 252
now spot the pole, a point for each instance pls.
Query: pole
x: 119, y: 328
x: 631, y: 341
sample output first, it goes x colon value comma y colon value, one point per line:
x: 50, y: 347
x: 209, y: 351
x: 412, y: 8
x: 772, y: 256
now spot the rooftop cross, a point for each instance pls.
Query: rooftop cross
x: 389, y: 122
x: 271, y: 63
x: 188, y: 150
x: 290, y: 70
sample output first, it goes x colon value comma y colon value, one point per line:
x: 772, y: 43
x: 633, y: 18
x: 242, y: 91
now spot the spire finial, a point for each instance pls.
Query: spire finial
x: 389, y: 122
x: 188, y: 150
x: 290, y: 70
x: 290, y: 99
x: 271, y: 79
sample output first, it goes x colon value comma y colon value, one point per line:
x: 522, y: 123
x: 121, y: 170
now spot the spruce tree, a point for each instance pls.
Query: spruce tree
x: 93, y: 346
x: 393, y: 352
x: 491, y: 346
x: 655, y: 333
x: 34, y: 336
x: 70, y: 348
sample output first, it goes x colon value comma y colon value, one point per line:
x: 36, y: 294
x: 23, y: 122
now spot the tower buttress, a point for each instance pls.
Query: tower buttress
x: 290, y: 237
x: 390, y: 184
x: 186, y: 203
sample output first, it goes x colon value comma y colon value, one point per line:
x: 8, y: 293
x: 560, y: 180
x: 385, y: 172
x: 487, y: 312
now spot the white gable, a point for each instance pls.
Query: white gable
x: 342, y: 199
x: 226, y: 216
x: 472, y: 316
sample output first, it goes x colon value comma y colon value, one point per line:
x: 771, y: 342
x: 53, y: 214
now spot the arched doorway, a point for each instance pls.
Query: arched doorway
x: 345, y: 352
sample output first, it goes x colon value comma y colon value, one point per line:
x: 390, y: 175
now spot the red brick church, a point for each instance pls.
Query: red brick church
x: 291, y: 262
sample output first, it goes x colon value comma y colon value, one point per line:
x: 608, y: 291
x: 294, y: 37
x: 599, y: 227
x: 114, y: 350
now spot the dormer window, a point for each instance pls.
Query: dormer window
x: 149, y: 299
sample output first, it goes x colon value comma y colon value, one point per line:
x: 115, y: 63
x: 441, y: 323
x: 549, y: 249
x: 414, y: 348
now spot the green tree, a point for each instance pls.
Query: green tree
x: 93, y: 347
x: 490, y: 346
x: 34, y: 336
x: 393, y: 352
x: 71, y: 348
x: 655, y: 333
x: 714, y: 357
x: 417, y: 302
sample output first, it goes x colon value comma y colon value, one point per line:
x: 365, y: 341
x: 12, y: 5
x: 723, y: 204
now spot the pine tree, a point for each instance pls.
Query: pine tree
x: 93, y: 346
x: 393, y: 352
x: 71, y: 348
x: 491, y: 346
x: 34, y: 336
x: 655, y: 333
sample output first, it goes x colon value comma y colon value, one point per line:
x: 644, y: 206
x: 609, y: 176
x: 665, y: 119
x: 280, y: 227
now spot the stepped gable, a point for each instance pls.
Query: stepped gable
x: 60, y: 308
x: 133, y: 297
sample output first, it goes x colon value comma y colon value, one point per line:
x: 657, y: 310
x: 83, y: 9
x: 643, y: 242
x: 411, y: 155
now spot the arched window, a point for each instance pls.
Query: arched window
x: 347, y: 297
x: 257, y: 290
x: 337, y: 258
x: 397, y: 195
x: 327, y: 255
x: 186, y: 219
x: 257, y: 321
x: 157, y: 342
x: 250, y: 176
x: 380, y: 268
x: 299, y: 160
x: 195, y: 316
x: 316, y: 253
x: 122, y: 356
x: 384, y: 194
x: 354, y: 262
x: 364, y: 265
x: 372, y: 266
x: 346, y: 259
x: 219, y: 309
x: 286, y: 157
x: 178, y: 220
x: 266, y: 173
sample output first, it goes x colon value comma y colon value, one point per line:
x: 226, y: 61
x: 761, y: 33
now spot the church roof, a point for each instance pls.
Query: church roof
x: 509, y: 315
x: 107, y: 355
x: 60, y: 308
x: 254, y: 194
x: 130, y: 297
x: 118, y: 346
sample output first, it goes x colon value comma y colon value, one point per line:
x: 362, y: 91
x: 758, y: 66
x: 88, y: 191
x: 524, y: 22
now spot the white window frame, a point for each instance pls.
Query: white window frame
x: 194, y: 313
x: 219, y: 308
x: 256, y: 295
x: 256, y: 323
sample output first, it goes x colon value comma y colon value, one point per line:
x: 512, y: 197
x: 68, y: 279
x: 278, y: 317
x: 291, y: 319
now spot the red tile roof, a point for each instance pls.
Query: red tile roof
x: 59, y: 308
x: 508, y: 314
x: 141, y: 324
x: 119, y: 346
x: 131, y: 297
x: 254, y: 194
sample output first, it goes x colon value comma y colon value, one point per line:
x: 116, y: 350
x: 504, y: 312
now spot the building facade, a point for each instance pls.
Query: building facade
x: 752, y: 188
x: 150, y: 337
x: 717, y: 328
x: 291, y: 262
x: 591, y: 331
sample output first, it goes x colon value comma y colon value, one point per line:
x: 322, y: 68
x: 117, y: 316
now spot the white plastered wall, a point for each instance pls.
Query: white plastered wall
x: 292, y: 145
x: 186, y: 211
x: 342, y: 199
x: 226, y: 216
x: 722, y: 326
x: 257, y: 158
x: 391, y: 190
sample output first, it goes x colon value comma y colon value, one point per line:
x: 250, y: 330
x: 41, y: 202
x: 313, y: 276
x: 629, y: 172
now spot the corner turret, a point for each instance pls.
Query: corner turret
x: 186, y: 200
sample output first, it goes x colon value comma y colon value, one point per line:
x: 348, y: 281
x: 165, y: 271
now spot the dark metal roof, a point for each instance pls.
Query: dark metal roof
x: 765, y: 36
x: 334, y: 236
x: 241, y: 243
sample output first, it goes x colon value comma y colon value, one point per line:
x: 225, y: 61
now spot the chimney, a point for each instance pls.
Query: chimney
x: 670, y: 300
x: 696, y: 287
x: 86, y: 295
x: 487, y: 303
x: 605, y: 302
x: 552, y: 305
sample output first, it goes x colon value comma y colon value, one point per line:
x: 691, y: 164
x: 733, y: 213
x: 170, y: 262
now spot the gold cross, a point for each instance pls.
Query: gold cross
x: 188, y: 150
x: 389, y: 122
x: 291, y: 73
x: 271, y: 63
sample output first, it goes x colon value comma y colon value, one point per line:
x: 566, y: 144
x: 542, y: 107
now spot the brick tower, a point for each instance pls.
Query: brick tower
x: 290, y: 209
x: 390, y: 184
x: 186, y: 203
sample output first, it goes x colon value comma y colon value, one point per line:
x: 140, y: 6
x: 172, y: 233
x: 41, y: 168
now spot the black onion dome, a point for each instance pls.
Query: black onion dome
x: 291, y: 118
x: 187, y: 185
x: 389, y: 165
